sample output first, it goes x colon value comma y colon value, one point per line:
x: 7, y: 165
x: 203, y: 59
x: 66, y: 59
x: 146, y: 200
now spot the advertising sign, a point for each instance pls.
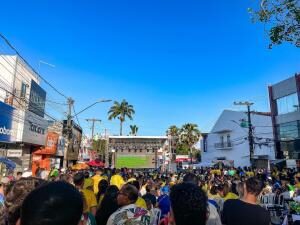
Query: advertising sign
x: 14, y: 153
x: 74, y: 147
x: 37, y: 99
x: 35, y: 128
x: 60, y: 146
x: 51, y: 143
x: 7, y: 134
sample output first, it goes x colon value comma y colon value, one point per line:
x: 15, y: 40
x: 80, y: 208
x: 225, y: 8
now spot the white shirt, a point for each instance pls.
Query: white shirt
x: 214, y: 217
x: 130, y: 215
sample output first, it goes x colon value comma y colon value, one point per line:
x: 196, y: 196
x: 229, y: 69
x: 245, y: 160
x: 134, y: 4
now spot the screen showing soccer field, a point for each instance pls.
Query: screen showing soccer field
x: 134, y: 161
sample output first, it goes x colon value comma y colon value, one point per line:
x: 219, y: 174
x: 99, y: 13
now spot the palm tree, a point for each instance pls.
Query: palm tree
x: 121, y: 111
x: 134, y: 129
x: 173, y: 131
x: 190, y: 135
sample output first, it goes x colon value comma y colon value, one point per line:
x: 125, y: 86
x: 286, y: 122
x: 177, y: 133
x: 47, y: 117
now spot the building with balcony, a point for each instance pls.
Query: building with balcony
x: 285, y: 111
x: 228, y: 140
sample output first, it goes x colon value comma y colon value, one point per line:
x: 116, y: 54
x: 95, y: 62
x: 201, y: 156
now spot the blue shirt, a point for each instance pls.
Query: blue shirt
x: 164, y: 204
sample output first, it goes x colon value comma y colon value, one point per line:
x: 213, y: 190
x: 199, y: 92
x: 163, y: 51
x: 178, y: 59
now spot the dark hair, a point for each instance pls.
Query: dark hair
x: 78, y: 179
x: 50, y: 205
x: 191, y: 178
x: 108, y: 205
x: 254, y: 186
x: 135, y: 183
x: 189, y: 204
x: 86, y: 174
x: 102, y: 187
x: 19, y: 173
x: 131, y: 191
x: 16, y: 192
x: 148, y: 188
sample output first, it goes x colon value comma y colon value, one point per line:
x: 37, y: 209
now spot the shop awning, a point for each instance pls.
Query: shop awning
x: 8, y: 163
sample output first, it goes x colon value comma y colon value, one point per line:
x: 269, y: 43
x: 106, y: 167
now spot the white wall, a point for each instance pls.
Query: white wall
x: 240, y: 149
x: 14, y: 72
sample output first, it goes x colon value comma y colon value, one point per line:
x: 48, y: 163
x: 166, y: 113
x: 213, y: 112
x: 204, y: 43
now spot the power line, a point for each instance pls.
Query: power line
x: 48, y: 83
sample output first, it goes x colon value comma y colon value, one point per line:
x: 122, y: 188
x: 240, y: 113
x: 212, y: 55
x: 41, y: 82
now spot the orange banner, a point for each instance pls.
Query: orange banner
x: 51, y: 143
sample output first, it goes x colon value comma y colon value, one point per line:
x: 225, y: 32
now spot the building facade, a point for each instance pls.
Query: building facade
x: 22, y: 109
x: 284, y: 102
x: 228, y: 140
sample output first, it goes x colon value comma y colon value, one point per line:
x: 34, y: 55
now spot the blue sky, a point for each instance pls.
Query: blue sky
x: 175, y: 61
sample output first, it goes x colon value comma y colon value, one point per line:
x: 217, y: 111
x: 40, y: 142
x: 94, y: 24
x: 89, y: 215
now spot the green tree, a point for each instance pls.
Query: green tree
x: 189, y: 135
x: 121, y: 111
x: 281, y: 19
x: 134, y: 129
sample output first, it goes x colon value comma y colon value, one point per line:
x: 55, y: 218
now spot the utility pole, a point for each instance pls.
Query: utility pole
x: 93, y: 125
x: 250, y: 132
x: 69, y: 132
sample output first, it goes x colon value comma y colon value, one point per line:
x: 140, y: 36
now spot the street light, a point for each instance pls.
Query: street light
x: 99, y: 101
x: 69, y: 124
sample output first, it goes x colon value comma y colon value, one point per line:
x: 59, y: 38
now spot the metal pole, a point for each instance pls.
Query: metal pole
x: 69, y: 132
x: 251, y: 142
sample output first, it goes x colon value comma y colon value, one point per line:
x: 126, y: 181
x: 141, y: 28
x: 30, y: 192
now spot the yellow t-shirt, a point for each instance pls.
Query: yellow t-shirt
x: 97, y: 179
x: 88, y: 182
x: 140, y: 202
x: 250, y: 174
x: 230, y: 195
x: 117, y: 180
x: 131, y: 179
x: 90, y: 199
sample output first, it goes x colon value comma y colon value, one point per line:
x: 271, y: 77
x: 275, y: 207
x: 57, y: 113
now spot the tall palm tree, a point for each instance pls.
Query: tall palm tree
x: 134, y: 129
x: 173, y: 131
x: 190, y: 135
x: 121, y: 111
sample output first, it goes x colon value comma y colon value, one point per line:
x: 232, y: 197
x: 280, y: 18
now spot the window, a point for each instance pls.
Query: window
x: 288, y: 104
x: 228, y: 138
x: 23, y: 90
x: 222, y: 139
x: 289, y: 131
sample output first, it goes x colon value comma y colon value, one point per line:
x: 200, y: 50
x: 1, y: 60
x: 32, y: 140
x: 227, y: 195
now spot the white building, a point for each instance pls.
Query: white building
x: 21, y: 94
x: 228, y: 140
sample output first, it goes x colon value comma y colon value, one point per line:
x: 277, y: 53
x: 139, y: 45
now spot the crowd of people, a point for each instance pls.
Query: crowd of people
x: 208, y: 196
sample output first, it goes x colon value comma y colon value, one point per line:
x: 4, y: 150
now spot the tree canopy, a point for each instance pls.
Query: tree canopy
x: 282, y: 20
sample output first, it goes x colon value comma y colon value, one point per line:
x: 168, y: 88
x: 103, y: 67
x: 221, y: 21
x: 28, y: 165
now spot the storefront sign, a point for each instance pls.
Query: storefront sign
x: 7, y: 134
x: 15, y: 153
x: 37, y: 99
x: 60, y: 146
x: 34, y: 129
x: 51, y: 143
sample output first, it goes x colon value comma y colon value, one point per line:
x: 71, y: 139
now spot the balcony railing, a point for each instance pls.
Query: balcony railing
x: 223, y: 145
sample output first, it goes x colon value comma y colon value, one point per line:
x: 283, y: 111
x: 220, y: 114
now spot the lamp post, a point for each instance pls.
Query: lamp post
x: 69, y: 125
x: 113, y: 158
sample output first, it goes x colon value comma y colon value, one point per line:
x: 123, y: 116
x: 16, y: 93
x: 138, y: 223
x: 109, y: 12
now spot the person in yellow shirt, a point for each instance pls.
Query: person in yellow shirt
x: 89, y: 195
x: 140, y: 202
x: 117, y: 179
x: 88, y: 184
x: 97, y: 178
x: 224, y: 192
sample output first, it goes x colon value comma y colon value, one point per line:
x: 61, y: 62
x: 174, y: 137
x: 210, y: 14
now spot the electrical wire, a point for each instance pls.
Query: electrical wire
x: 15, y: 50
